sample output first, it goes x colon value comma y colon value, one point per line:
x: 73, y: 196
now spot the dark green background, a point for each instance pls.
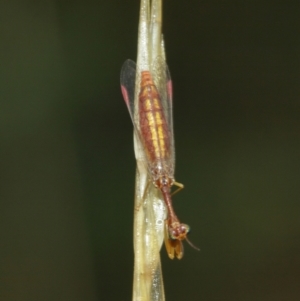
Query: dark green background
x: 66, y: 154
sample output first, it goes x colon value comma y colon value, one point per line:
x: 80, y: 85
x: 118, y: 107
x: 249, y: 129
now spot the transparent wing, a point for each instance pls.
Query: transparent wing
x: 129, y: 77
x: 162, y: 79
x: 128, y: 74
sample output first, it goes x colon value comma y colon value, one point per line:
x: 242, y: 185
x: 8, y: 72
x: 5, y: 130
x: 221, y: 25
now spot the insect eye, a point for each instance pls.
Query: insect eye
x: 180, y: 232
x: 173, y: 235
x: 187, y: 229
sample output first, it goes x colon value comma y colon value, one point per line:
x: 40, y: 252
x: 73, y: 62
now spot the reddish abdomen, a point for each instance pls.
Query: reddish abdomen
x: 153, y: 126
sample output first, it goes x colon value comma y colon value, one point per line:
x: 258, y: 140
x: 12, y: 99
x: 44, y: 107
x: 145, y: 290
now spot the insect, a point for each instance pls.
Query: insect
x: 152, y: 119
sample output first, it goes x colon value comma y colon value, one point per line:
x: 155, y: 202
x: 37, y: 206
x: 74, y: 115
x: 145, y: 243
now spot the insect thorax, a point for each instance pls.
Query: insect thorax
x: 162, y: 174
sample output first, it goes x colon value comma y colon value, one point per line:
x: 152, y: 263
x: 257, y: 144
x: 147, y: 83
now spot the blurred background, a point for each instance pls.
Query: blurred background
x: 67, y: 167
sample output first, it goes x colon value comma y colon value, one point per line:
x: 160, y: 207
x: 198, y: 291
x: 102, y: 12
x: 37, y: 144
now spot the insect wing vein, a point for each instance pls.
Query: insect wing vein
x: 163, y: 83
x: 128, y: 75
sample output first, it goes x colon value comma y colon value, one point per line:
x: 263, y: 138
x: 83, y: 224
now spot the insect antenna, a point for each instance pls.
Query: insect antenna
x: 191, y: 244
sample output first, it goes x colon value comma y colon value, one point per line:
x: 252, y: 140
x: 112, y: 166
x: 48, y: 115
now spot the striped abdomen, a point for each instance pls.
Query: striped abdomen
x: 153, y: 125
